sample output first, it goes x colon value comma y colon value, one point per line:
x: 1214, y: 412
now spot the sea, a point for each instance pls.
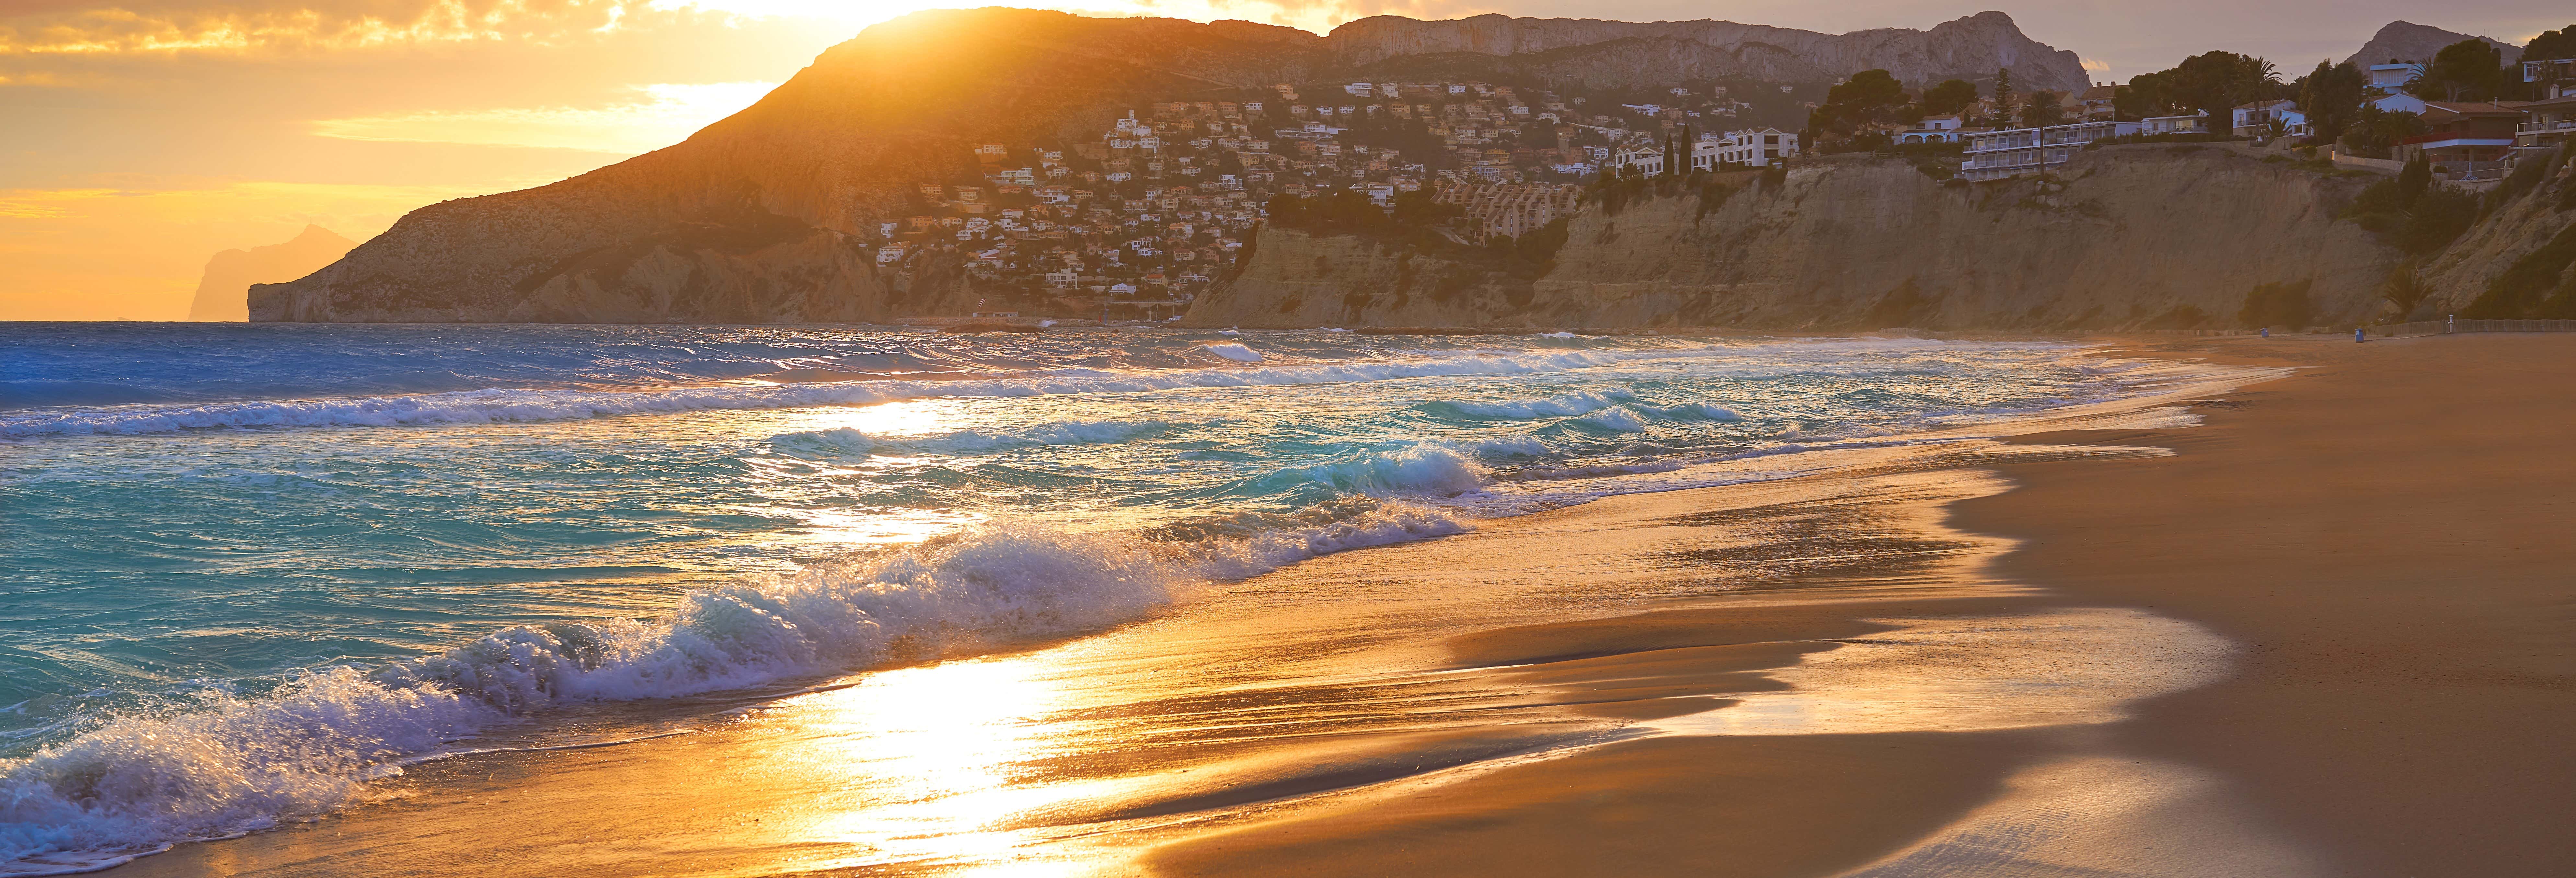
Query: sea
x: 255, y: 570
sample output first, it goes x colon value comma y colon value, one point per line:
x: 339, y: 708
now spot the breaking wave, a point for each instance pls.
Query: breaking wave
x: 229, y: 764
x: 505, y: 406
x: 1577, y: 403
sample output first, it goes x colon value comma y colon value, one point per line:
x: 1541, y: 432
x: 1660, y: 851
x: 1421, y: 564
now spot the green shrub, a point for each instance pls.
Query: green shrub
x: 2530, y: 289
x: 2281, y: 304
x: 2436, y: 220
x: 2405, y: 289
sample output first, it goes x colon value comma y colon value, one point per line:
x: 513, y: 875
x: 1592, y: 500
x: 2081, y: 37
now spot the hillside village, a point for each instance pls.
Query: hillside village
x: 1137, y: 221
x: 1141, y: 218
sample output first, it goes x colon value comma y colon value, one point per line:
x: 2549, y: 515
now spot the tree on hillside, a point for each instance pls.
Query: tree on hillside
x: 2003, y: 97
x: 2374, y: 133
x: 2043, y: 110
x: 2331, y: 96
x: 1951, y: 96
x: 2549, y: 45
x: 2468, y: 70
x: 2210, y: 82
x: 1870, y: 97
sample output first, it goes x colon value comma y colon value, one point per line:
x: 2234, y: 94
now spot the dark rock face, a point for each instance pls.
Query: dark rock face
x: 2411, y: 43
x: 765, y: 216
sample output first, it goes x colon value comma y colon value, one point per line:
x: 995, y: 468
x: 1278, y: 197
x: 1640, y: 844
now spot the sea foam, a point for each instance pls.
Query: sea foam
x: 231, y: 765
x: 507, y: 406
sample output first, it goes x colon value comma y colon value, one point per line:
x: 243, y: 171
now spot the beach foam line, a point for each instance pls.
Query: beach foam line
x: 501, y: 405
x: 234, y: 764
x: 509, y: 406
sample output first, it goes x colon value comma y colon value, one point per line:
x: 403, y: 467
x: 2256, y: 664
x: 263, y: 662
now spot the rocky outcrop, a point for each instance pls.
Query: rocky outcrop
x: 222, y: 293
x: 2410, y: 43
x: 2147, y: 236
x: 1624, y: 54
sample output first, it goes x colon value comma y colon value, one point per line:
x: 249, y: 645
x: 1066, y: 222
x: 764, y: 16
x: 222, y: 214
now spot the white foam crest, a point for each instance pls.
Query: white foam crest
x: 1615, y: 418
x: 233, y: 765
x: 1234, y: 350
x: 1420, y: 468
x: 1577, y: 403
x: 509, y: 406
x: 834, y: 441
x: 1389, y: 523
x: 1058, y: 433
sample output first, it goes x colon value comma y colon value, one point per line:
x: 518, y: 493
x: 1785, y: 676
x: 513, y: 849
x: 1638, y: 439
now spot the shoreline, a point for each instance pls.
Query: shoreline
x: 1355, y: 749
x: 1473, y: 743
x: 2386, y: 535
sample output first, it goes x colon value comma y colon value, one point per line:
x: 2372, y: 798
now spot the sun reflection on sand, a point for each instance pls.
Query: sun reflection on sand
x: 935, y: 761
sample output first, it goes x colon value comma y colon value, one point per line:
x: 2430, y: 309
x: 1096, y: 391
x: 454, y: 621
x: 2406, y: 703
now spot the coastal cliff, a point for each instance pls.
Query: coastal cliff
x: 2146, y: 236
x: 763, y: 216
x: 767, y: 215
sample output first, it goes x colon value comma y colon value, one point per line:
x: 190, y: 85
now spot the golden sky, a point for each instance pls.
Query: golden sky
x: 139, y: 138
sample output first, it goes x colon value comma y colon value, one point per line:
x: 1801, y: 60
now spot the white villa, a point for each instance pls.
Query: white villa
x: 1649, y: 162
x: 2392, y: 79
x: 2255, y: 119
x: 1933, y: 129
x: 1750, y: 147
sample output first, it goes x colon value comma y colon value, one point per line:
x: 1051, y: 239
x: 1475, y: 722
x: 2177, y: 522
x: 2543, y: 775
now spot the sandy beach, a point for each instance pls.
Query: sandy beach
x: 2322, y: 632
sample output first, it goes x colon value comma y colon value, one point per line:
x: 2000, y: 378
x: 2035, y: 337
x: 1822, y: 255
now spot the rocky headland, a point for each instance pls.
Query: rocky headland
x: 774, y: 214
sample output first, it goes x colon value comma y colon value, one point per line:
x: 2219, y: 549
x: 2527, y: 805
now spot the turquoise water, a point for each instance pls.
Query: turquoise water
x: 257, y: 567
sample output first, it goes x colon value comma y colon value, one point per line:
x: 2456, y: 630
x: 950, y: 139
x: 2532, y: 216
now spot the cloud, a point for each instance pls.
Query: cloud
x: 663, y: 115
x: 243, y: 26
x: 2096, y: 66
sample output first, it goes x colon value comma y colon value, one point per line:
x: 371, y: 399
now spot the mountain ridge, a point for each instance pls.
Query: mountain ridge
x: 2406, y: 42
x: 766, y: 214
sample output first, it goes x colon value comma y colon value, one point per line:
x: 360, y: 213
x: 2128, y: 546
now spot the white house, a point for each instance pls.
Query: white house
x: 1649, y: 162
x: 1754, y: 147
x: 2255, y: 119
x: 1933, y: 129
x: 2392, y: 79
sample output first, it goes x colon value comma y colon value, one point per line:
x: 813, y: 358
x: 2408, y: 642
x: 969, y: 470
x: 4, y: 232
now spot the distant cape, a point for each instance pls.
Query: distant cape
x: 223, y: 293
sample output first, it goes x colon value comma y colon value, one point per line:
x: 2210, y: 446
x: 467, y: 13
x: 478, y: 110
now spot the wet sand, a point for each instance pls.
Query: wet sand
x: 2228, y: 660
x: 2391, y: 535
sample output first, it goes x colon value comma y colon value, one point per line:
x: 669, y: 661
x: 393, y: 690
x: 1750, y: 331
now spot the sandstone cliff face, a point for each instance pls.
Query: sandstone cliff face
x: 2137, y: 236
x: 1619, y: 53
x: 2514, y: 229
